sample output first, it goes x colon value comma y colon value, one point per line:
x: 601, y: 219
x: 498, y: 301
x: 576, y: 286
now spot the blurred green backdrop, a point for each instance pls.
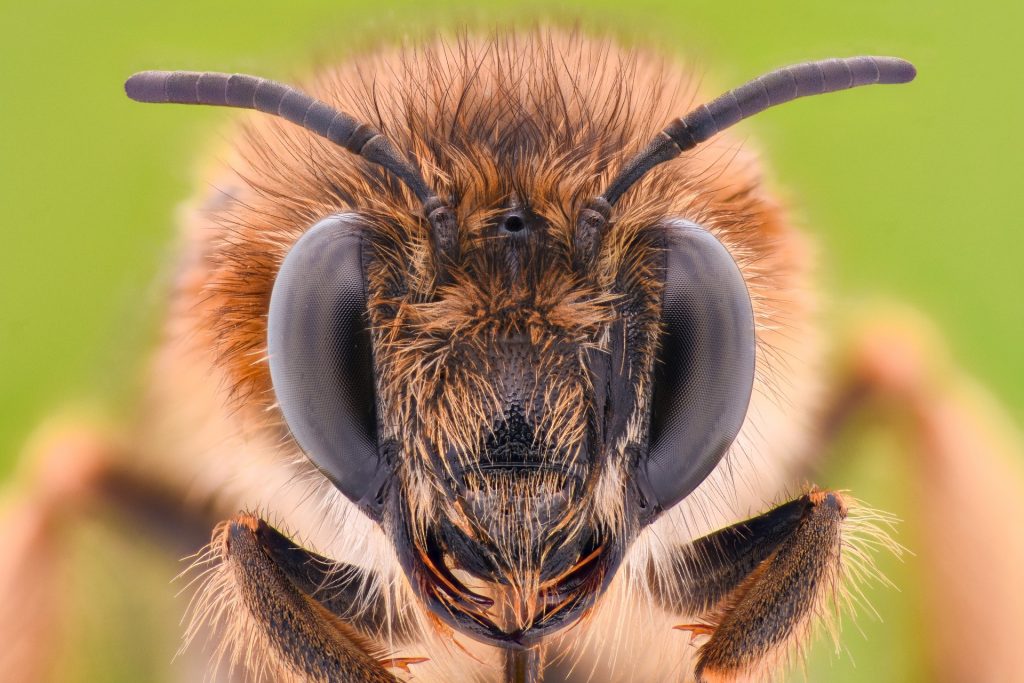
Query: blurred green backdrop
x: 912, y: 194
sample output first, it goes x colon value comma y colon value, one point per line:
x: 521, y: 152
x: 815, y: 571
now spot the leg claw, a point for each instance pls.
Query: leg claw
x: 402, y: 663
x: 696, y: 630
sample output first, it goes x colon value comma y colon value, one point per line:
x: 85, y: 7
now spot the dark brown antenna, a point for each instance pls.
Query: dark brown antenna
x: 704, y: 122
x: 278, y: 99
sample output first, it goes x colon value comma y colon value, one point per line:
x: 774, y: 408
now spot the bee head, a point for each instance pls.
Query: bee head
x: 470, y: 335
x: 497, y: 404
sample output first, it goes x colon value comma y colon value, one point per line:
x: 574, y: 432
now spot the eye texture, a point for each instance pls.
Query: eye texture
x: 705, y: 369
x: 320, y: 357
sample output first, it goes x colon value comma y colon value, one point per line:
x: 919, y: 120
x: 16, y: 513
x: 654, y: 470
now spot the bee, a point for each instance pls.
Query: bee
x: 489, y: 354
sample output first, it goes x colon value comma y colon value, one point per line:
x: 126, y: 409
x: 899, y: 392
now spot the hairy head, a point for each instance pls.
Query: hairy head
x: 474, y: 330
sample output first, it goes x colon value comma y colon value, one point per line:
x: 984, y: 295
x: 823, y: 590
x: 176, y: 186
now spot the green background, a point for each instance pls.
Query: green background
x: 913, y: 194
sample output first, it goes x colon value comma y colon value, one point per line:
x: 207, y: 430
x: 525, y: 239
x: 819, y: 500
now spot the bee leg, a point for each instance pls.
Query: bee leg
x: 263, y: 589
x: 756, y: 585
x: 966, y: 478
x: 72, y: 474
x: 344, y: 590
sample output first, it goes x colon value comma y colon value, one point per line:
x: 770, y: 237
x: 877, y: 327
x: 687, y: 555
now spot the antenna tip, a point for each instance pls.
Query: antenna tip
x: 896, y: 70
x: 147, y: 86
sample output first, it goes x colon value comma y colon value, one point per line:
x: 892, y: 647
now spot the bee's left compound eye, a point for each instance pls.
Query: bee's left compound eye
x: 705, y: 370
x: 320, y: 357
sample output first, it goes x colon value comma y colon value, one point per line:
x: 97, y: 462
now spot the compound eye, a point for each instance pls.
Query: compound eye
x: 705, y: 369
x: 321, y: 363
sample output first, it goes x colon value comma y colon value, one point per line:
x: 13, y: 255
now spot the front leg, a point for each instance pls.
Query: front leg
x: 756, y: 585
x: 963, y: 496
x: 262, y: 589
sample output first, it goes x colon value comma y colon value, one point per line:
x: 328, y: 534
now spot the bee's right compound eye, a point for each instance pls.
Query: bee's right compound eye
x: 705, y: 369
x: 321, y: 361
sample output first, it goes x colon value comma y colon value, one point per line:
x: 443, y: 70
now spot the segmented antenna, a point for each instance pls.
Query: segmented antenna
x: 278, y: 99
x: 704, y: 122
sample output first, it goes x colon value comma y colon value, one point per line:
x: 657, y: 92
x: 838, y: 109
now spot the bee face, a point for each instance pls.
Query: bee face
x: 492, y: 387
x: 508, y: 397
x: 514, y: 387
x: 511, y: 388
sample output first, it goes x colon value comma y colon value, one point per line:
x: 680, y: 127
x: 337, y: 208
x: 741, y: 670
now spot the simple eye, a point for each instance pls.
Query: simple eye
x: 513, y: 223
x: 705, y: 369
x: 320, y: 357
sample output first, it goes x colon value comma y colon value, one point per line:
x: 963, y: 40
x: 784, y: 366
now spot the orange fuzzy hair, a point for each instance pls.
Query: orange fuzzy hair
x: 545, y: 116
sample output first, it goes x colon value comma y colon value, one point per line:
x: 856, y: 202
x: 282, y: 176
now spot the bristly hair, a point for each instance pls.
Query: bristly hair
x: 544, y: 116
x: 541, y: 118
x: 545, y: 119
